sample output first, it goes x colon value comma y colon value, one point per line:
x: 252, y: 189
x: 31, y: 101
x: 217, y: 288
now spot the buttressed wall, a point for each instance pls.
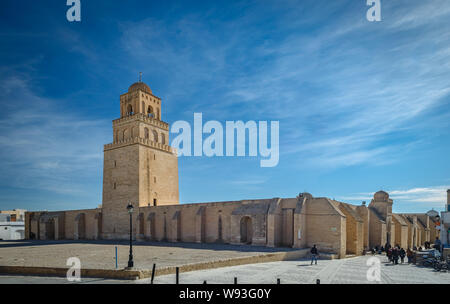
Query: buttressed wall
x: 141, y: 168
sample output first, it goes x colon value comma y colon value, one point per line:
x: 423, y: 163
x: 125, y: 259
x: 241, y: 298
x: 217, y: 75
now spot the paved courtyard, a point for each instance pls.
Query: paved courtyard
x: 351, y: 270
x: 101, y: 254
x: 344, y: 271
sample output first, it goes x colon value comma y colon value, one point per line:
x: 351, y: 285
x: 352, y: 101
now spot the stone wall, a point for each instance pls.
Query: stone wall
x: 299, y: 222
x: 354, y: 230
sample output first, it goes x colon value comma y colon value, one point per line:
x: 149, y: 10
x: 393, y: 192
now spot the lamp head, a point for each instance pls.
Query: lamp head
x: 130, y: 208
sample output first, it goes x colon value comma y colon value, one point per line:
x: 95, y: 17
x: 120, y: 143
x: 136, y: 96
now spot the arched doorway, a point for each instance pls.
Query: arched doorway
x: 80, y: 229
x: 141, y: 224
x: 50, y: 229
x: 246, y: 230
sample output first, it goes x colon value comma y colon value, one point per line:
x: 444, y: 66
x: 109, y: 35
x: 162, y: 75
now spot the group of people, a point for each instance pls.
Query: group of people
x: 393, y: 253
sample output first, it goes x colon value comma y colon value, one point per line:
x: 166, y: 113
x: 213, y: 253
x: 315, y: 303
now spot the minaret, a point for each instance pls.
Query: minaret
x: 382, y: 205
x: 139, y: 165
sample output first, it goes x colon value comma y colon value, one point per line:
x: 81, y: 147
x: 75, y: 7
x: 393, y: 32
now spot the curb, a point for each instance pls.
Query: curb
x: 62, y: 272
x: 145, y: 273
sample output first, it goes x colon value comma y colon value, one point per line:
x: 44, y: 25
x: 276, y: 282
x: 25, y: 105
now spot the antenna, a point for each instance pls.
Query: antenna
x: 140, y: 76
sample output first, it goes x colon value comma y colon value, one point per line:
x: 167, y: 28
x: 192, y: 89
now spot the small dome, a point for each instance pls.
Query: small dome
x: 381, y: 196
x: 305, y: 194
x: 139, y: 86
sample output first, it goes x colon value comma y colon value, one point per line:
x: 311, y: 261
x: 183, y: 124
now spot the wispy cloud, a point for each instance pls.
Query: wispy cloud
x: 344, y: 97
x: 424, y: 198
x: 44, y: 147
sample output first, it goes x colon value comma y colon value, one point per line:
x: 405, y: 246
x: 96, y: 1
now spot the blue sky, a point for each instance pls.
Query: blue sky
x: 362, y: 106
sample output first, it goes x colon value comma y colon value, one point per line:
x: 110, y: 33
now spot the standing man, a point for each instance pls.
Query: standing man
x: 402, y: 254
x: 437, y: 244
x: 314, y: 254
x: 395, y: 255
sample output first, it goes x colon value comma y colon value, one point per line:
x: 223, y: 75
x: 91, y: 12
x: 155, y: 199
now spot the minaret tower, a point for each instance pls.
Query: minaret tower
x: 139, y: 165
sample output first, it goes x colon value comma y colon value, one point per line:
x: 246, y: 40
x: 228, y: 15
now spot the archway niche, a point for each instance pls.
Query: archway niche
x: 246, y: 230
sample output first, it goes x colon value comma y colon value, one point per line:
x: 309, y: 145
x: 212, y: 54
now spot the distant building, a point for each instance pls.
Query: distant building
x: 12, y: 225
x: 445, y: 222
x: 16, y: 215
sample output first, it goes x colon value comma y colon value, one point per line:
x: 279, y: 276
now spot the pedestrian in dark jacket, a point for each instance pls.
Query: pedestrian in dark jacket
x: 389, y: 254
x: 395, y: 255
x: 409, y: 255
x: 437, y: 244
x: 314, y: 254
x: 402, y: 254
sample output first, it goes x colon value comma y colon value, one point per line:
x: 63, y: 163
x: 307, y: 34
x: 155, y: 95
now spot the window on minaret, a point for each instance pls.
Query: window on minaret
x: 150, y: 111
x: 157, y: 116
x: 146, y: 133
x: 129, y: 110
x: 163, y: 139
x: 155, y: 136
x: 143, y: 107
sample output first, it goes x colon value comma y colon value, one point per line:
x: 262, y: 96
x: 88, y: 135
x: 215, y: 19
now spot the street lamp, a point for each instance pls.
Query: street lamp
x: 130, y: 259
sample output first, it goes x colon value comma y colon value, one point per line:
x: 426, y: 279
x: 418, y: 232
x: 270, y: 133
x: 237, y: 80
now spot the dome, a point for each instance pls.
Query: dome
x: 139, y: 86
x: 305, y: 194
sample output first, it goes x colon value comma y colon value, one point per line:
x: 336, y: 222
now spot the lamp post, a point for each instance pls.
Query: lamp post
x: 130, y: 259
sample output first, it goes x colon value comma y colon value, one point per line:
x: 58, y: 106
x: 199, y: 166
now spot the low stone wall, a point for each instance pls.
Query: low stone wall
x: 142, y: 274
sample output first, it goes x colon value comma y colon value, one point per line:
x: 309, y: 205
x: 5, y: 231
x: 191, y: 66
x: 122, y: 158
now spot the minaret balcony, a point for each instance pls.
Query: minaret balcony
x: 143, y: 141
x: 144, y: 118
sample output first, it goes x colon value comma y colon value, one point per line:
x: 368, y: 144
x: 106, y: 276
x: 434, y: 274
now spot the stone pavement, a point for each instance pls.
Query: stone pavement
x: 344, y: 271
x: 101, y: 254
x: 17, y: 279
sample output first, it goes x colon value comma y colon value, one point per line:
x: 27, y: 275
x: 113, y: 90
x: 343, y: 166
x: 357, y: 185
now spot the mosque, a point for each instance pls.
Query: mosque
x: 140, y: 167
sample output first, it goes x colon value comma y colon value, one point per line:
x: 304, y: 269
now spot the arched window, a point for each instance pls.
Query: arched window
x: 155, y: 136
x: 125, y: 134
x: 157, y: 113
x: 143, y: 107
x: 150, y: 111
x: 163, y: 139
x: 146, y: 133
x: 117, y: 135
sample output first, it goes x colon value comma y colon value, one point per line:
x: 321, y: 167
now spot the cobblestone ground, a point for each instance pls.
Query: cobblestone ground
x: 345, y: 271
x: 352, y: 270
x: 101, y: 254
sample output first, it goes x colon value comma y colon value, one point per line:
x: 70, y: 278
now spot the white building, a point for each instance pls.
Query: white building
x: 11, y: 230
x: 445, y: 222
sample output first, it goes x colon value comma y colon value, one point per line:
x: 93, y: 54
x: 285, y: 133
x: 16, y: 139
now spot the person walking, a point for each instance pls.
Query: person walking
x: 402, y: 255
x: 389, y: 254
x: 395, y: 254
x: 437, y: 244
x: 314, y: 254
x: 409, y: 255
